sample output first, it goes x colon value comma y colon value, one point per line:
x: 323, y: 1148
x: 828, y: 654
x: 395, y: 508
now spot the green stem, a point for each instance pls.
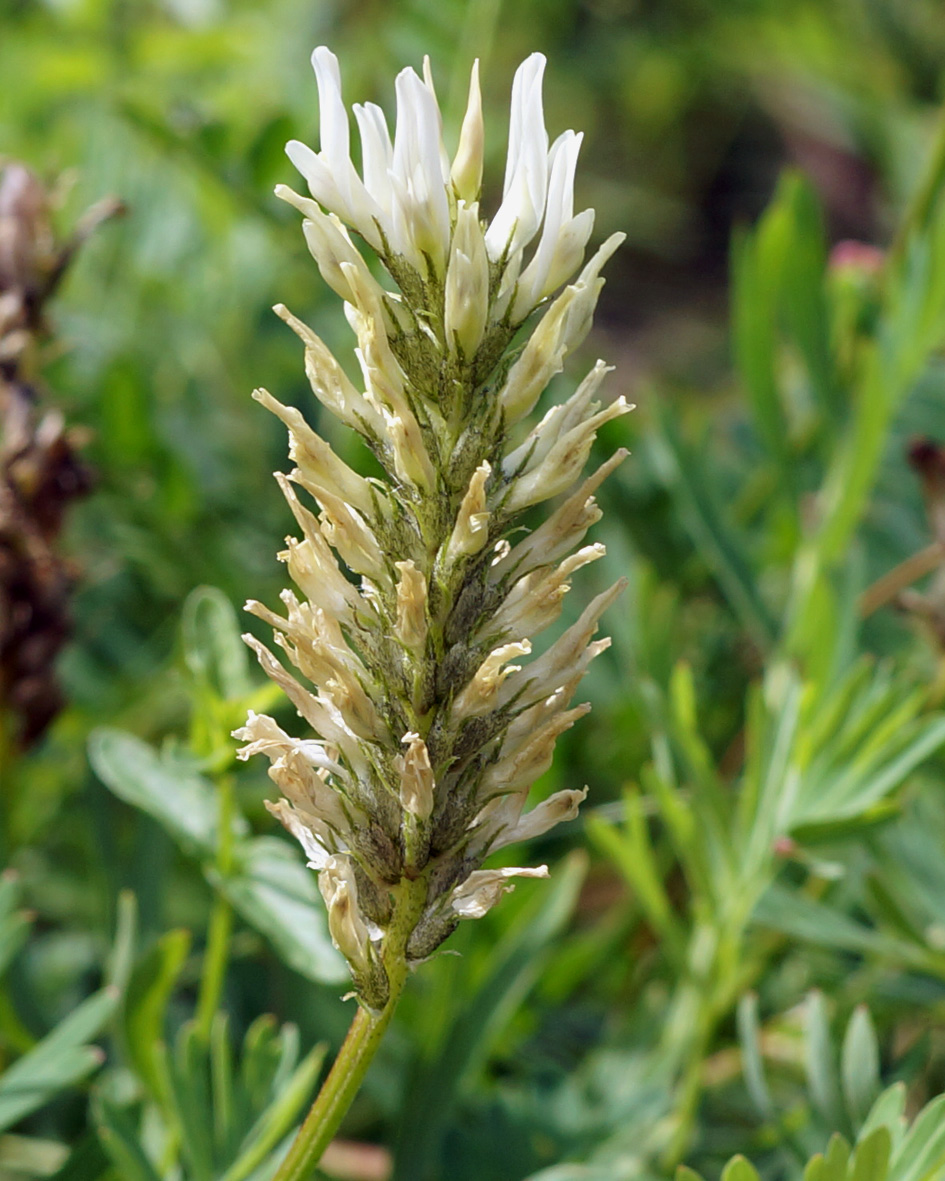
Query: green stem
x: 922, y: 206
x: 214, y: 966
x: 337, y: 1093
x: 704, y: 999
x: 221, y: 921
x: 359, y: 1047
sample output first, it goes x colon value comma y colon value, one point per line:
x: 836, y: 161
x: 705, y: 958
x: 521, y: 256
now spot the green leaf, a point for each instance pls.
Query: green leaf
x: 888, y: 1112
x: 149, y: 991
x: 118, y: 1134
x: 86, y: 1162
x: 820, y: 1065
x: 121, y: 961
x: 739, y: 1169
x: 795, y: 914
x: 871, y: 1158
x: 921, y: 1155
x: 165, y: 786
x: 836, y: 1159
x: 190, y: 1100
x: 275, y: 893
x: 632, y: 853
x: 60, y: 1060
x: 14, y: 925
x: 277, y: 1119
x: 854, y: 790
x: 859, y: 1065
x: 226, y: 1128
x: 749, y: 1036
x: 805, y: 292
x: 814, y: 1169
x: 270, y: 887
x: 14, y: 931
x: 213, y: 648
x: 719, y: 544
x: 754, y: 277
x: 843, y: 828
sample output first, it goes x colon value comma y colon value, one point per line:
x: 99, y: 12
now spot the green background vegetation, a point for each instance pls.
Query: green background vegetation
x: 763, y: 850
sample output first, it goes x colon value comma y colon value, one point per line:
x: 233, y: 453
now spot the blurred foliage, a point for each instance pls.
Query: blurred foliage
x: 767, y: 825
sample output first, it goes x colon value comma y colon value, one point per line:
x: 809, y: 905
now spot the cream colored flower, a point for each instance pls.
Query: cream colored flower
x: 414, y: 630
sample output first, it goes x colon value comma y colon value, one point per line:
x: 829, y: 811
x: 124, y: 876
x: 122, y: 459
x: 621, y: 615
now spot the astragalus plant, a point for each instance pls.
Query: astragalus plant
x: 421, y: 592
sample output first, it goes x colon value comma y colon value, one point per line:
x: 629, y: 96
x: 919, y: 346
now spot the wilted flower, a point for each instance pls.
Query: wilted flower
x: 431, y: 719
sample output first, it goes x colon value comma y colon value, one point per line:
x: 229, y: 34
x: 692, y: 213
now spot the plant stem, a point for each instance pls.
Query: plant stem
x: 359, y: 1047
x: 214, y: 965
x: 885, y: 589
x: 221, y: 920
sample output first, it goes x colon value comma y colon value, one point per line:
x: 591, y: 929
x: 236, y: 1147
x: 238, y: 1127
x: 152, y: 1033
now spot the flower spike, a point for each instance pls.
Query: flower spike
x: 430, y: 717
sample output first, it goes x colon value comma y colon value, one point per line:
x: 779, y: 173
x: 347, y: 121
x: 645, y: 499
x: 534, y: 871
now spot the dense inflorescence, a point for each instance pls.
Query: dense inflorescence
x: 421, y: 591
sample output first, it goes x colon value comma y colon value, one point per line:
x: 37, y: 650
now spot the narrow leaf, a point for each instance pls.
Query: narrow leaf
x: 859, y: 1065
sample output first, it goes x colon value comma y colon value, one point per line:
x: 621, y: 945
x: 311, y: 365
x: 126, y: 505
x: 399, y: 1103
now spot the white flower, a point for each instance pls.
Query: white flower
x: 420, y: 214
x: 411, y: 621
x: 484, y: 887
x: 263, y: 736
x: 561, y: 806
x: 481, y: 692
x: 349, y: 931
x: 415, y: 607
x: 563, y: 236
x: 526, y: 168
x: 564, y: 529
x: 471, y: 530
x: 402, y: 203
x: 332, y: 178
x: 416, y: 777
x: 303, y: 830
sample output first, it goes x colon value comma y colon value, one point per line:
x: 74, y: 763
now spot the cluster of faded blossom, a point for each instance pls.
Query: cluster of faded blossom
x: 421, y: 591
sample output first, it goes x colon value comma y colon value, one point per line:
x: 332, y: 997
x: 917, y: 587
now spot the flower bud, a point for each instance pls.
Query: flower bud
x: 316, y: 460
x: 329, y: 382
x: 411, y: 625
x: 466, y: 304
x: 481, y: 692
x: 526, y: 170
x: 536, y: 281
x: 416, y: 777
x: 471, y: 531
x: 466, y: 173
x: 564, y: 461
x: 534, y: 602
x: 418, y: 176
x: 348, y: 930
x: 541, y: 359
